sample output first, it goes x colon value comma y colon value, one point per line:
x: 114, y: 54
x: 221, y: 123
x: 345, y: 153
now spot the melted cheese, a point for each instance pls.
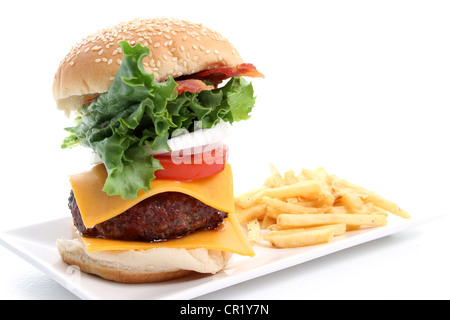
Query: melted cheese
x: 216, y: 191
x: 96, y: 206
x: 229, y: 237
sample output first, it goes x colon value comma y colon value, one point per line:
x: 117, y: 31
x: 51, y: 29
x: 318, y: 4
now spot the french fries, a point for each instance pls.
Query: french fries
x: 310, y: 208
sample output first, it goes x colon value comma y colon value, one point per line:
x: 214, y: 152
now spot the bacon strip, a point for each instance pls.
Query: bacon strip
x: 192, y: 85
x: 217, y: 75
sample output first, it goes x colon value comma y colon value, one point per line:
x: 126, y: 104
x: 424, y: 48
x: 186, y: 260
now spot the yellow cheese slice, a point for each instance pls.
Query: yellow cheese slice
x: 96, y: 206
x: 229, y: 237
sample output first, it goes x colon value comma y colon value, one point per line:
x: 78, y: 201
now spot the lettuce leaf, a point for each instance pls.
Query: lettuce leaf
x: 137, y: 111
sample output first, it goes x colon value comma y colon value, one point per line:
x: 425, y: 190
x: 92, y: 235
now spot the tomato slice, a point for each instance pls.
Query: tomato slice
x: 185, y: 166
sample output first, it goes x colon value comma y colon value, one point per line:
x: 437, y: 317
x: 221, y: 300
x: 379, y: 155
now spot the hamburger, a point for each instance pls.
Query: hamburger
x: 153, y: 99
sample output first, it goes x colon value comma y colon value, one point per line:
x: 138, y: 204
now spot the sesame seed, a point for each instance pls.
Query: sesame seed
x: 167, y: 37
x: 156, y: 45
x: 110, y: 61
x: 71, y: 63
x: 87, y: 49
x: 104, y: 60
x: 182, y: 48
x: 100, y: 52
x: 194, y: 47
x: 98, y: 60
x: 216, y: 51
x: 208, y: 51
x: 119, y: 62
x: 185, y: 37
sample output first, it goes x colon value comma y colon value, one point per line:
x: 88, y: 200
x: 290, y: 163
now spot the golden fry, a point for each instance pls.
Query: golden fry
x: 251, y: 213
x: 246, y: 199
x: 387, y: 205
x: 289, y: 191
x: 351, y: 201
x: 267, y: 221
x: 273, y: 212
x: 289, y: 177
x: 284, y: 207
x: 300, y: 238
x: 254, y: 231
x: 275, y: 180
x: 338, y: 228
x: 320, y: 175
x: 305, y: 220
x: 337, y: 210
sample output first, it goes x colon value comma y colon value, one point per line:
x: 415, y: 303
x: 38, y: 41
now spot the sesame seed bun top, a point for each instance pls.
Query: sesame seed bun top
x: 177, y: 48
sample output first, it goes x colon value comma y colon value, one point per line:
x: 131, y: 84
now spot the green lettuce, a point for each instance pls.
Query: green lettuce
x: 139, y: 112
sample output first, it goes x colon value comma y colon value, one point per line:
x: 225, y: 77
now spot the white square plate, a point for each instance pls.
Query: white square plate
x: 36, y: 244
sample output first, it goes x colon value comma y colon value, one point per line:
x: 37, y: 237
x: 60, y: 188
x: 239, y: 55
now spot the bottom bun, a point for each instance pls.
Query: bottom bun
x: 142, y: 266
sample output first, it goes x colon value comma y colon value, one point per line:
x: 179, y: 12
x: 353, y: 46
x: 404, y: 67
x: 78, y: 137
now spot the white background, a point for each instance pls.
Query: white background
x: 359, y: 87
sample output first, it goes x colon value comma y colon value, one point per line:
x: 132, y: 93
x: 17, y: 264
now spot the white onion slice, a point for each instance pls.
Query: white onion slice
x: 199, y: 138
x: 193, y: 142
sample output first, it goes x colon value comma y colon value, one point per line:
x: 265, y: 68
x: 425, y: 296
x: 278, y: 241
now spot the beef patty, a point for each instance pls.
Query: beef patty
x: 163, y: 216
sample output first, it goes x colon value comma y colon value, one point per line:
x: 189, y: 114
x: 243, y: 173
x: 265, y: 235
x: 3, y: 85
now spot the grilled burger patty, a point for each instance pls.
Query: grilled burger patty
x: 163, y: 216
